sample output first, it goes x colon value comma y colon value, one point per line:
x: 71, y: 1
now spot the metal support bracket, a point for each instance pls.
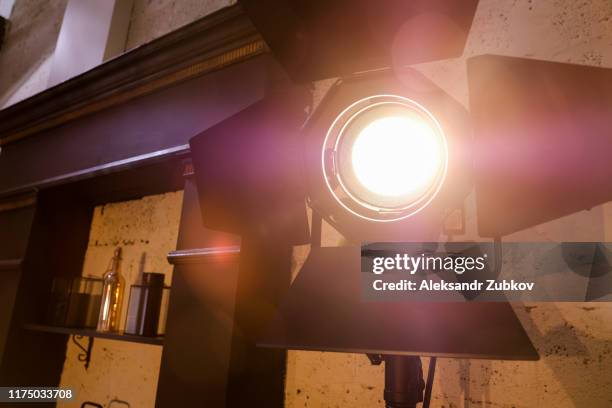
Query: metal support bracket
x: 85, y: 354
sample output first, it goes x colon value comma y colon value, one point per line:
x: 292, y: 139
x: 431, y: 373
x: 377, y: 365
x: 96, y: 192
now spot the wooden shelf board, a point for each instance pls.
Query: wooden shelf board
x: 93, y: 333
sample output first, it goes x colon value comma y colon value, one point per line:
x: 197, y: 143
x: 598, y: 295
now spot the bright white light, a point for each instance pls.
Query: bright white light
x: 397, y: 156
x: 384, y: 158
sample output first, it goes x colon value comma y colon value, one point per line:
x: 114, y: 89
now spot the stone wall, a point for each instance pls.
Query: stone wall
x: 153, y: 18
x: 25, y: 57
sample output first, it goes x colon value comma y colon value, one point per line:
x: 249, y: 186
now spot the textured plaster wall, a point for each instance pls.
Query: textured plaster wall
x: 147, y: 230
x: 25, y: 57
x: 573, y: 339
x: 153, y: 18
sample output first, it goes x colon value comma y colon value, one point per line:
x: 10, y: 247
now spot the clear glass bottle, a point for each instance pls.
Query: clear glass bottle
x: 112, y: 295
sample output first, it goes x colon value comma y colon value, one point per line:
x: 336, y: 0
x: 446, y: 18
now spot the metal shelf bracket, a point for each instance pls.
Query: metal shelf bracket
x: 85, y: 354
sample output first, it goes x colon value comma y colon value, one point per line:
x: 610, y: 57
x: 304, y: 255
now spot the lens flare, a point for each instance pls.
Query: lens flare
x: 397, y: 156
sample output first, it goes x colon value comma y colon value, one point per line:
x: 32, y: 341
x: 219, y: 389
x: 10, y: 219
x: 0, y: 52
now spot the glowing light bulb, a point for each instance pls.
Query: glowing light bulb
x: 384, y: 158
x: 397, y: 156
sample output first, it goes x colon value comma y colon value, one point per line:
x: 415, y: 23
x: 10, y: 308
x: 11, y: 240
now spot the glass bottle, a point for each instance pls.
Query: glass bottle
x: 112, y: 296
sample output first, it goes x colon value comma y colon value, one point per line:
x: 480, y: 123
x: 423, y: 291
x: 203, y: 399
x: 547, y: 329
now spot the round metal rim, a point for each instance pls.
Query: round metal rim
x: 344, y: 118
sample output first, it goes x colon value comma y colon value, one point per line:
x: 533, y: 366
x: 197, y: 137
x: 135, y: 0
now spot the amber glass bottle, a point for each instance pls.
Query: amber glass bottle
x: 112, y: 295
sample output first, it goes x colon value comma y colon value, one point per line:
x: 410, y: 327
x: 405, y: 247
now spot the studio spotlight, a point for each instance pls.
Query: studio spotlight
x: 384, y: 157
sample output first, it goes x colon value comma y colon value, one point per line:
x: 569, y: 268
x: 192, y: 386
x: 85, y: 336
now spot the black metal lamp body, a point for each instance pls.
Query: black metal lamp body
x: 544, y: 140
x: 317, y: 39
x: 454, y: 122
x: 248, y: 173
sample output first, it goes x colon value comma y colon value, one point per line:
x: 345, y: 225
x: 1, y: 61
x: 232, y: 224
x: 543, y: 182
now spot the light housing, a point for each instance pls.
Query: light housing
x: 384, y: 158
x: 338, y: 134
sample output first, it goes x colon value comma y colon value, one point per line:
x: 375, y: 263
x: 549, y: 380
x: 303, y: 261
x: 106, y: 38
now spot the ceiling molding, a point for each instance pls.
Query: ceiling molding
x: 211, y: 43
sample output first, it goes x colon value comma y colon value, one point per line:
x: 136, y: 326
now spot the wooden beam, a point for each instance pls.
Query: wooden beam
x: 211, y: 43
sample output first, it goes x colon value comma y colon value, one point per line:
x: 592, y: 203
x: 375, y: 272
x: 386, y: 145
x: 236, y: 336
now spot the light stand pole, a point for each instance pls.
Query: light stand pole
x: 404, y: 384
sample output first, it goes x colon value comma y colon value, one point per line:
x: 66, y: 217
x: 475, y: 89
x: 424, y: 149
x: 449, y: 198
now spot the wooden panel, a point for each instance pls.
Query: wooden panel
x: 195, y: 359
x: 15, y: 226
x: 9, y: 281
x: 257, y: 375
x: 162, y: 120
x: 158, y: 341
x: 218, y: 307
x: 55, y: 246
x: 15, y: 222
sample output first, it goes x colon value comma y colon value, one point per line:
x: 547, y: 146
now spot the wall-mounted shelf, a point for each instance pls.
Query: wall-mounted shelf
x: 93, y: 333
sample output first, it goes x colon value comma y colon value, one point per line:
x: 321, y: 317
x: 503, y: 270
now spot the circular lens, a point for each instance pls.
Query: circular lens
x: 389, y: 158
x: 396, y: 156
